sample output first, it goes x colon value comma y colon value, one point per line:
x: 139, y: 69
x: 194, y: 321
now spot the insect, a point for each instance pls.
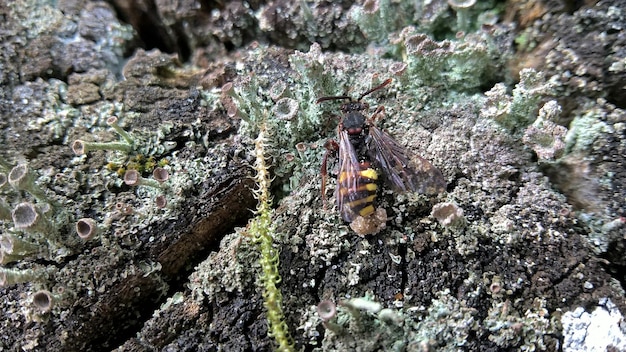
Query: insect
x: 363, y: 151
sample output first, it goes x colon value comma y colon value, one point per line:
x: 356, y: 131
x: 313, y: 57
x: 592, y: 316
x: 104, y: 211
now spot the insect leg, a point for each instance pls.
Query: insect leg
x: 379, y: 113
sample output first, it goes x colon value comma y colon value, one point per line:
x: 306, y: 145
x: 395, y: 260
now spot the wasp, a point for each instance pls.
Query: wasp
x: 365, y: 152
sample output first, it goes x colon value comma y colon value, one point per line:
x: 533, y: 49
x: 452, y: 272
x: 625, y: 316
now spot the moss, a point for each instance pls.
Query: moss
x: 262, y: 230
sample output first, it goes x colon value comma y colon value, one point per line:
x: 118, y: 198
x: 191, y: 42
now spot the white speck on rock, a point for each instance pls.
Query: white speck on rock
x: 595, y: 331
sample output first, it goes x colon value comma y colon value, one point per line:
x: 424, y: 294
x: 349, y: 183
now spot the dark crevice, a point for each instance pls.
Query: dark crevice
x: 147, y: 24
x: 614, y: 262
x: 454, y: 183
x: 191, y: 239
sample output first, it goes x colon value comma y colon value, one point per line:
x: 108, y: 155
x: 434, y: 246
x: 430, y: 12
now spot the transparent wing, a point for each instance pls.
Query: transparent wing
x: 347, y: 180
x: 402, y: 174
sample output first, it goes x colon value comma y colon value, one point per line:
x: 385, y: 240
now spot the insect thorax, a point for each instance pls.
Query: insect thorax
x: 354, y: 121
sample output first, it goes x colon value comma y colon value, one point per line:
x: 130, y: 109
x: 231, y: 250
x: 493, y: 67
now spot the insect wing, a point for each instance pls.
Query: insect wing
x: 403, y: 175
x: 347, y: 180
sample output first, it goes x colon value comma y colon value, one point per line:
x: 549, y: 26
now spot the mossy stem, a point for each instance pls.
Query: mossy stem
x: 263, y: 231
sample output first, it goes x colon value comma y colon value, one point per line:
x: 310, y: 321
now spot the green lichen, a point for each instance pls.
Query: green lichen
x: 80, y: 147
x: 312, y: 70
x: 287, y: 106
x: 375, y: 19
x: 31, y: 228
x: 22, y: 178
x: 10, y: 277
x: 456, y: 65
x: 516, y: 111
x: 584, y: 130
x: 544, y: 136
x: 446, y: 325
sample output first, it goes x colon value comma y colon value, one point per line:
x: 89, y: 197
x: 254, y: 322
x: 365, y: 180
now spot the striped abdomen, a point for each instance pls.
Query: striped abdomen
x: 356, y: 191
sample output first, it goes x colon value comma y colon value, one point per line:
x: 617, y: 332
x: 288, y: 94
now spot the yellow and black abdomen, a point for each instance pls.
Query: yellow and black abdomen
x: 356, y: 192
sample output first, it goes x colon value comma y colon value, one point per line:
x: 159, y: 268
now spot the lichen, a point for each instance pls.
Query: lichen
x: 596, y: 331
x: 455, y: 65
x: 584, y: 130
x: 519, y: 109
x: 544, y: 136
x: 507, y: 233
x: 509, y: 328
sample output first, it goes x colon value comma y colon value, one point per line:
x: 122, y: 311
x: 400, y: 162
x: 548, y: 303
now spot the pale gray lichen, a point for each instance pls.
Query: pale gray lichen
x: 445, y: 324
x: 227, y: 270
x: 600, y: 330
x: 362, y: 323
x: 544, y: 136
x: 375, y: 18
x: 36, y: 228
x: 448, y: 214
x: 526, y: 331
x: 487, y: 172
x: 10, y: 277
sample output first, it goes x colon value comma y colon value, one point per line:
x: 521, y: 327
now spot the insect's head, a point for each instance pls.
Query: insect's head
x: 353, y: 119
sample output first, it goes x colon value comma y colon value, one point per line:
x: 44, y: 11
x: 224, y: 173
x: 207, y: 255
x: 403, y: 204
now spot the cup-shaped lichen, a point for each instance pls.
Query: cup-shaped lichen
x: 14, y: 244
x: 375, y: 19
x: 160, y: 174
x: 28, y: 218
x: 80, y: 147
x: 10, y: 277
x: 20, y: 178
x: 5, y: 210
x: 279, y: 90
x: 3, y: 179
x: 462, y: 8
x: 285, y: 109
x: 134, y: 178
x: 43, y: 301
x: 160, y: 201
x: 112, y: 121
x: 326, y: 310
x: 448, y: 214
x: 86, y: 228
x: 23, y: 179
x: 6, y: 258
